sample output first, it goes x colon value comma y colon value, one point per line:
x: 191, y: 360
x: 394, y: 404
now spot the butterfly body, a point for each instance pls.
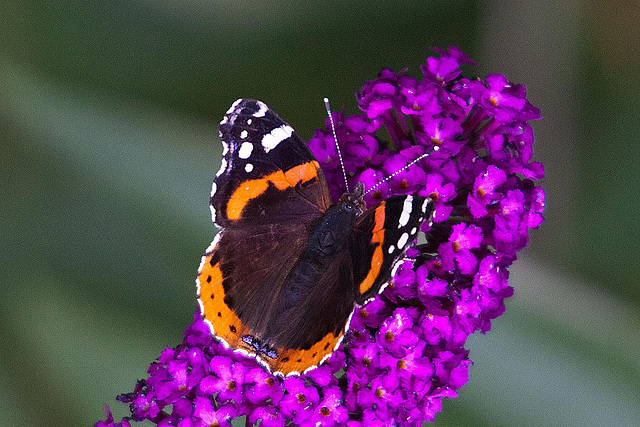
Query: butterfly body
x: 281, y: 279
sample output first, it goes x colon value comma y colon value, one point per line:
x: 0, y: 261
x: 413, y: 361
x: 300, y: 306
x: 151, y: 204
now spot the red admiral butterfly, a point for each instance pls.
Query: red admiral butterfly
x: 282, y: 277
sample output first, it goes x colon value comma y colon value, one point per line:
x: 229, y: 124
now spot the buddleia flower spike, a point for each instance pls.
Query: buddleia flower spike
x: 405, y: 348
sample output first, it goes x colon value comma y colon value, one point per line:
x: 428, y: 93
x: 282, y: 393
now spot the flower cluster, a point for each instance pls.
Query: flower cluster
x: 405, y: 349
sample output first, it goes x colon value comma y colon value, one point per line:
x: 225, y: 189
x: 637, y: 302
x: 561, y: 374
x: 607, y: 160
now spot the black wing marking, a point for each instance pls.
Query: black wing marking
x: 381, y: 237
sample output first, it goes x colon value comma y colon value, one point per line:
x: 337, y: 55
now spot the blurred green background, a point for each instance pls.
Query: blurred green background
x: 108, y: 125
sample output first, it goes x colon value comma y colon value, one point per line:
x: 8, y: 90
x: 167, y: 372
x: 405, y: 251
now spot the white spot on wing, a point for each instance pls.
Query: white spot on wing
x: 210, y: 249
x: 223, y: 167
x: 225, y: 148
x: 244, y: 134
x: 213, y: 209
x: 262, y: 110
x: 248, y: 167
x: 213, y: 213
x: 382, y: 288
x: 424, y: 204
x: 203, y: 260
x: 414, y: 230
x: 200, y: 304
x: 275, y: 137
x: 233, y: 106
x: 245, y: 150
x: 403, y: 240
x: 406, y: 212
x: 213, y: 244
x: 391, y: 249
x: 394, y: 270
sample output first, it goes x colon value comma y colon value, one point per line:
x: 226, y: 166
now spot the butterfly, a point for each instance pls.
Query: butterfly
x: 283, y: 276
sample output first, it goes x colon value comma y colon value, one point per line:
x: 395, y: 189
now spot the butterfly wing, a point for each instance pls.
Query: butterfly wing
x: 298, y: 313
x: 241, y: 276
x: 381, y: 237
x: 268, y: 191
x: 268, y: 174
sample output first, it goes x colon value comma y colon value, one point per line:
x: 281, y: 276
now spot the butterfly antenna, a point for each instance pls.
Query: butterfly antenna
x: 335, y: 138
x: 413, y: 162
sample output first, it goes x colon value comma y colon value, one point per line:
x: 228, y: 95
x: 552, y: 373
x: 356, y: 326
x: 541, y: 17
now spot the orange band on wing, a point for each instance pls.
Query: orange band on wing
x: 376, y: 261
x: 281, y: 180
x: 379, y: 220
x: 302, y: 173
x: 298, y: 360
x: 223, y: 320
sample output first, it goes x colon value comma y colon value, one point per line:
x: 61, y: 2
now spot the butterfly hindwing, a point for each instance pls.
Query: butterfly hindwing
x: 268, y: 174
x: 299, y: 318
x: 234, y: 274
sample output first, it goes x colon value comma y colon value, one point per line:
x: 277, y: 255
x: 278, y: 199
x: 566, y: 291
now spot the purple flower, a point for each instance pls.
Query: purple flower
x: 109, y: 422
x: 205, y: 413
x: 485, y: 190
x: 261, y: 387
x: 404, y: 351
x: 396, y: 335
x: 300, y: 400
x: 226, y: 379
x: 456, y: 252
x: 330, y: 411
x: 268, y: 416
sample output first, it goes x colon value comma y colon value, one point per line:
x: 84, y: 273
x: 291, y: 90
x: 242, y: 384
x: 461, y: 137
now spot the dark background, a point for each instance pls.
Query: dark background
x: 108, y: 125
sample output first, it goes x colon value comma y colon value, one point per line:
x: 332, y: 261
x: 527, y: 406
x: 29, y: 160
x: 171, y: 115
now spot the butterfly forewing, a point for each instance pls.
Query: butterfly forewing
x: 385, y: 231
x: 268, y: 174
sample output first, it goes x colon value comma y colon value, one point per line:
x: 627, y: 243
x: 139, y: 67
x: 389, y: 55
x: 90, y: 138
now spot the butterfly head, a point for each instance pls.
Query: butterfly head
x: 354, y: 200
